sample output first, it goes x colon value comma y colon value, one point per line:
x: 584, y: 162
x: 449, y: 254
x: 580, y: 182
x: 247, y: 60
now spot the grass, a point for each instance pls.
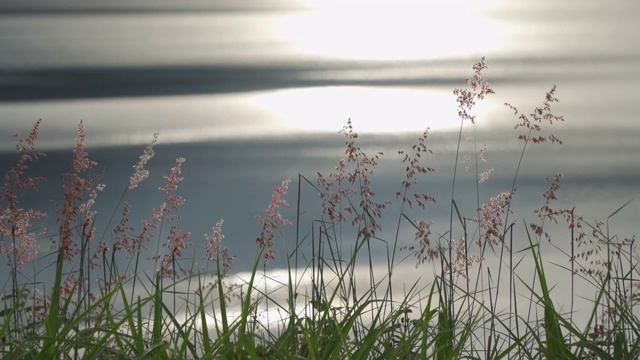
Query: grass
x: 483, y: 303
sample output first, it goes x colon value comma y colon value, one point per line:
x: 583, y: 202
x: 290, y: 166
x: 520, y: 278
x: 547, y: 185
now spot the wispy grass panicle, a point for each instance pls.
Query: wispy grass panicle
x: 124, y: 240
x: 331, y: 198
x: 81, y: 161
x: 78, y: 198
x: 18, y: 241
x: 478, y: 88
x: 546, y: 212
x: 354, y: 179
x: 140, y: 173
x: 28, y: 143
x: 217, y: 253
x: 532, y: 124
x: 484, y: 174
x: 414, y: 167
x: 172, y: 181
x: 462, y: 259
x: 492, y: 220
x: 27, y: 153
x: 272, y: 221
x: 360, y: 176
x: 18, y: 238
x: 177, y: 240
x: 423, y: 251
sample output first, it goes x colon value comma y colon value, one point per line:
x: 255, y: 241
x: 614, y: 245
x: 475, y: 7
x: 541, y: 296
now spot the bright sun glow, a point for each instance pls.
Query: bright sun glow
x: 372, y: 110
x: 399, y: 30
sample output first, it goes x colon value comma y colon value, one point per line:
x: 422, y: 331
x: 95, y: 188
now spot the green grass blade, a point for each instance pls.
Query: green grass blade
x: 52, y: 320
x: 555, y: 346
x: 206, y: 338
x: 159, y: 347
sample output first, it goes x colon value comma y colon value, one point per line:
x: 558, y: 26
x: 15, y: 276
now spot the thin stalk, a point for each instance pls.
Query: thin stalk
x: 292, y: 291
x: 573, y: 258
x: 173, y: 264
x: 453, y: 191
x: 314, y: 289
x: 81, y: 267
x: 395, y: 244
x: 631, y: 268
x: 499, y: 271
x: 515, y: 177
x: 336, y: 259
x: 14, y: 279
x: 371, y: 274
x: 298, y: 225
x: 52, y: 321
x: 266, y: 298
x: 608, y: 266
x: 533, y: 285
x: 135, y: 268
x: 511, y: 294
x: 466, y: 272
x: 493, y: 324
x: 478, y: 214
x: 366, y: 215
x: 515, y: 311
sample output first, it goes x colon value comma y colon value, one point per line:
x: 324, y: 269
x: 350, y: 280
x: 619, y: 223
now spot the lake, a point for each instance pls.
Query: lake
x: 253, y: 93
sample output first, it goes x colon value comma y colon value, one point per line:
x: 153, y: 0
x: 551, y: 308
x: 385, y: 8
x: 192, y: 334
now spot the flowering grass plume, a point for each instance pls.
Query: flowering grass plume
x: 491, y: 219
x: 217, y: 253
x: 18, y: 240
x: 533, y: 122
x: 462, y: 260
x: 177, y: 240
x: 424, y: 252
x: 546, y: 212
x: 356, y: 180
x: 467, y: 98
x: 140, y: 174
x: 413, y: 168
x: 272, y: 221
x: 78, y: 199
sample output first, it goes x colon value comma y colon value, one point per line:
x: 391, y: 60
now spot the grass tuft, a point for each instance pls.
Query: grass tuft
x: 338, y: 301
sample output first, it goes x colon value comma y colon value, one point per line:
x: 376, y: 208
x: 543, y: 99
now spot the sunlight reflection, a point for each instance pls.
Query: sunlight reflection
x: 433, y: 29
x: 378, y: 110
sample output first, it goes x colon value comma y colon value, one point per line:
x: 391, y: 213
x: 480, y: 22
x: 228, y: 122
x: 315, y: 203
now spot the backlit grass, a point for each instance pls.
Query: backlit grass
x: 488, y: 296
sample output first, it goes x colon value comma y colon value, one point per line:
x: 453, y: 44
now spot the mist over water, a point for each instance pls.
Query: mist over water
x: 253, y: 94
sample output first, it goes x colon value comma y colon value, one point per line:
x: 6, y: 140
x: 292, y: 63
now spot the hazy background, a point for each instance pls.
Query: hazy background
x: 254, y: 92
